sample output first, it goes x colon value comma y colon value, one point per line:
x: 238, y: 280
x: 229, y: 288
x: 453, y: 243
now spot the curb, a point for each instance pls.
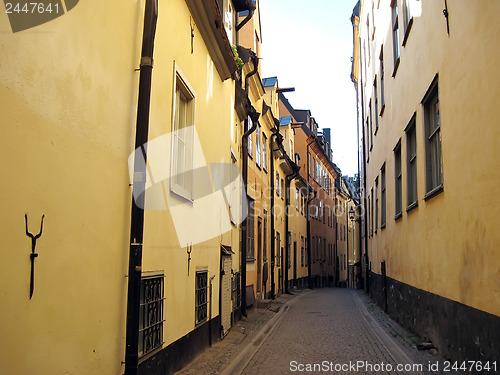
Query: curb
x: 237, y: 366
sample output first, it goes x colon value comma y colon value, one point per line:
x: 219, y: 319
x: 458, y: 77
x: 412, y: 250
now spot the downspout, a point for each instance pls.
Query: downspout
x: 244, y: 140
x: 367, y: 257
x: 275, y: 133
x: 139, y: 187
x: 247, y: 18
x: 309, y: 200
x: 288, y: 179
x: 335, y: 224
x: 347, y: 249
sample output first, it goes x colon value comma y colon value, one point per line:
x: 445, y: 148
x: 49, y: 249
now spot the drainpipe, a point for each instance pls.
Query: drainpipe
x: 251, y: 10
x: 244, y: 139
x: 309, y: 277
x: 275, y: 134
x: 139, y: 184
x: 335, y: 222
x: 347, y: 243
x: 288, y: 179
x: 364, y: 201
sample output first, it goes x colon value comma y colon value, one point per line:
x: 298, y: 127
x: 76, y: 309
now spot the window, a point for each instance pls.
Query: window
x: 382, y: 197
x: 371, y: 125
x: 249, y: 143
x: 277, y: 184
x: 395, y: 35
x: 229, y: 21
x: 257, y: 146
x: 297, y: 199
x: 376, y: 103
x: 278, y: 245
x: 302, y: 251
x: 288, y: 251
x: 398, y: 182
x: 201, y: 296
x: 151, y: 314
x: 407, y: 19
x: 181, y: 181
x: 309, y: 165
x: 313, y: 249
x: 318, y: 250
x: 236, y: 292
x: 411, y: 164
x: 367, y: 141
x: 264, y: 152
x: 306, y: 253
x: 433, y: 158
x: 368, y: 35
x: 369, y: 216
x: 264, y: 238
x: 376, y: 204
x: 282, y: 189
x: 382, y: 85
x: 250, y: 230
x: 371, y: 213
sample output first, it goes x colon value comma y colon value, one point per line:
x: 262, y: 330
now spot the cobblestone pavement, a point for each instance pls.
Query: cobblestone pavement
x: 334, y: 329
x: 325, y: 327
x: 217, y: 357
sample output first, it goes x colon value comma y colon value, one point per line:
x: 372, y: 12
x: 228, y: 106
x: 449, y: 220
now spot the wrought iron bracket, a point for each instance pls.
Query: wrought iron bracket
x: 33, y: 255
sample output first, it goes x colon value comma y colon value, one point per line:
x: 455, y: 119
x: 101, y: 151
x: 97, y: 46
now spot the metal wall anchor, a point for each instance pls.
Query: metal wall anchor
x: 33, y: 255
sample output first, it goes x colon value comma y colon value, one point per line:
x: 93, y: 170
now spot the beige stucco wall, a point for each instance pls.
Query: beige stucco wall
x: 448, y: 245
x: 68, y: 93
x: 68, y: 101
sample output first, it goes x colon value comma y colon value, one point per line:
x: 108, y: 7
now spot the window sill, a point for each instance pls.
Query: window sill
x: 411, y: 206
x: 407, y: 31
x: 197, y: 324
x: 250, y: 260
x: 431, y: 194
x: 144, y: 357
x: 182, y: 193
x: 398, y: 216
x: 396, y: 66
x: 382, y: 226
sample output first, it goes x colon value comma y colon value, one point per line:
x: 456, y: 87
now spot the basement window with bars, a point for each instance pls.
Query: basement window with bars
x: 236, y: 291
x: 151, y: 314
x: 201, y: 296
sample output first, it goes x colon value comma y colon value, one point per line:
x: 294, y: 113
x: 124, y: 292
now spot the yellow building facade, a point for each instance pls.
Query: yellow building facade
x: 69, y: 102
x: 427, y: 92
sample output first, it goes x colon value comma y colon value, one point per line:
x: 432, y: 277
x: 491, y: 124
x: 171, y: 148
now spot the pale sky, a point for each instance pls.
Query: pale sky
x: 308, y: 45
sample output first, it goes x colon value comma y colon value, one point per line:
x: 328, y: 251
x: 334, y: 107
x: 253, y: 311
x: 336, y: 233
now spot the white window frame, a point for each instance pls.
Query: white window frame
x: 257, y: 146
x: 184, y: 190
x: 264, y: 151
x: 249, y: 140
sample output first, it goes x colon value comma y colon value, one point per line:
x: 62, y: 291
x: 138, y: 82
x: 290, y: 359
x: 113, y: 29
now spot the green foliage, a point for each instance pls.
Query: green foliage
x: 239, y: 62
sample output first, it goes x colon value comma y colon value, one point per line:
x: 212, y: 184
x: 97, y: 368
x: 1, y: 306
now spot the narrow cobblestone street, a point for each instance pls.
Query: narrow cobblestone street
x: 339, y: 330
